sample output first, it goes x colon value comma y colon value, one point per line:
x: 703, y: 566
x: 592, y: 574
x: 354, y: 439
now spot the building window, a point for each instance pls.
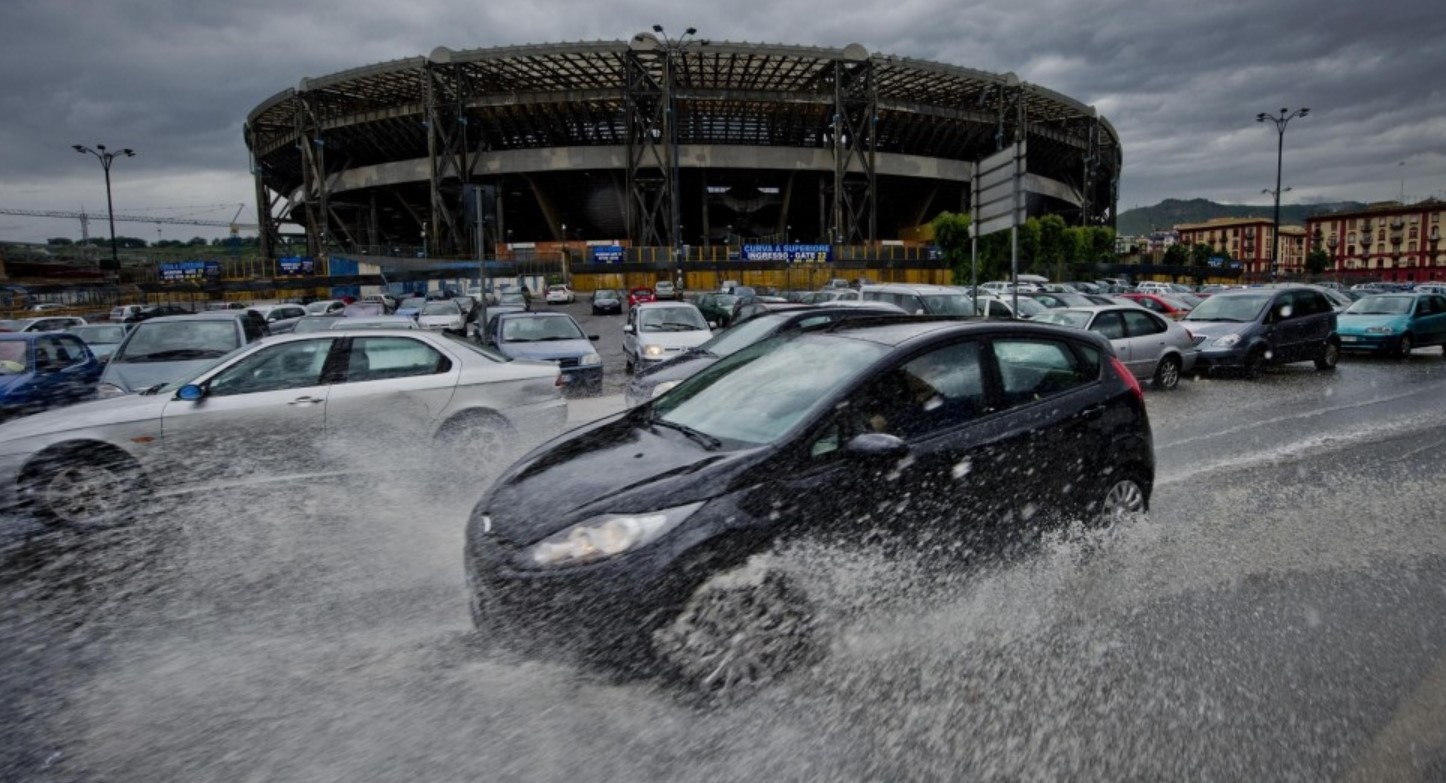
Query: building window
x: 1435, y: 217
x: 1412, y: 233
x: 1351, y: 237
x: 1411, y: 247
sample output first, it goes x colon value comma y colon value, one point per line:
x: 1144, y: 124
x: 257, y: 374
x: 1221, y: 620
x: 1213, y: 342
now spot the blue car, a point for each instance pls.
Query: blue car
x: 39, y: 371
x: 549, y: 337
x: 1393, y: 323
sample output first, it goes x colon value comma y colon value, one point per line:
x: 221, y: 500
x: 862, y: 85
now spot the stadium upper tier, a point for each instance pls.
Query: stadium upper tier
x: 620, y: 134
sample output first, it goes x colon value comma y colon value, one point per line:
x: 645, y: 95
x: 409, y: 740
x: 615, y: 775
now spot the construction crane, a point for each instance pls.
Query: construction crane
x: 84, y: 219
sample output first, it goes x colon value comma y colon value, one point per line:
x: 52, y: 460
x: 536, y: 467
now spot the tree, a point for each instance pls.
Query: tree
x: 1177, y: 255
x: 59, y: 241
x: 1052, y: 245
x: 951, y: 234
x: 1317, y: 261
x: 197, y: 242
x: 1200, y: 256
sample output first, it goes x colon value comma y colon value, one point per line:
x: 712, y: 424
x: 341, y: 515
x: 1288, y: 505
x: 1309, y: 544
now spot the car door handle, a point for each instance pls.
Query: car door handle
x: 1093, y: 412
x: 305, y: 401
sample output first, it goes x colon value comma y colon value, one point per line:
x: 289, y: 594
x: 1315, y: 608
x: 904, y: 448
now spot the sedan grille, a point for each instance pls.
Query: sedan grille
x: 566, y: 363
x: 1199, y: 338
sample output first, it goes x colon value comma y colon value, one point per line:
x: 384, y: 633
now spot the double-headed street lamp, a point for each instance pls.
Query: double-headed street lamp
x: 1285, y: 116
x: 106, y: 159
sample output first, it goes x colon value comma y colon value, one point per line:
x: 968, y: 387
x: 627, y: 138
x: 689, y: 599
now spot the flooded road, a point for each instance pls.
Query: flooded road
x: 1276, y: 616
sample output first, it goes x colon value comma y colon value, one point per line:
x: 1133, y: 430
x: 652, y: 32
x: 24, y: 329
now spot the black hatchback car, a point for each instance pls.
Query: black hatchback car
x: 1247, y: 329
x: 625, y: 539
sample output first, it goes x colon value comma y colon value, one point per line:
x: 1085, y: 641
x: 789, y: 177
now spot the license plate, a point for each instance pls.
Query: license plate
x: 1347, y: 338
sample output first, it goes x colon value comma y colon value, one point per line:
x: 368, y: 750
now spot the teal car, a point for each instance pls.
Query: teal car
x: 1393, y: 323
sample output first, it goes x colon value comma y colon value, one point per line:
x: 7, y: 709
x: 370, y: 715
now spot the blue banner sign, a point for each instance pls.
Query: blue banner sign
x: 607, y: 254
x: 293, y: 266
x: 793, y: 254
x: 181, y: 271
x: 1217, y: 261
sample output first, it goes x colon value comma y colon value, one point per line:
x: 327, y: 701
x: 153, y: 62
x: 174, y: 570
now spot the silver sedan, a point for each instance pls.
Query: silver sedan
x: 272, y: 408
x: 1153, y: 348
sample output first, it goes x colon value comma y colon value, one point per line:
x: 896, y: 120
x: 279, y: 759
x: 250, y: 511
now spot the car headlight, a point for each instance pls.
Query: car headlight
x: 1380, y: 330
x: 653, y: 350
x: 663, y: 388
x: 1227, y: 341
x: 605, y: 536
x: 590, y: 360
x: 108, y: 390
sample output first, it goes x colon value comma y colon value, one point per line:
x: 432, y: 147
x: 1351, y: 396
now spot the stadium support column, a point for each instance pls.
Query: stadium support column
x: 268, y: 226
x: 447, y: 163
x: 1091, y: 162
x: 854, y: 217
x: 648, y: 181
x: 313, y: 173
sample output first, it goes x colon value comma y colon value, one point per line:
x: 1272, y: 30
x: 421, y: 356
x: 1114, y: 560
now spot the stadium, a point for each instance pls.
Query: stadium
x: 658, y: 145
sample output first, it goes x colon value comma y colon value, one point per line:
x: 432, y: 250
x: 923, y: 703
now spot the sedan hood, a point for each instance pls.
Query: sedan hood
x: 618, y: 465
x: 1214, y: 329
x: 85, y: 415
x: 675, y: 340
x: 548, y: 350
x: 1358, y: 324
x: 135, y: 376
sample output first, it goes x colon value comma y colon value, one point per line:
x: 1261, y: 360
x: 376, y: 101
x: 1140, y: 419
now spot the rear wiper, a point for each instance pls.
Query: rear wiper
x: 708, y: 441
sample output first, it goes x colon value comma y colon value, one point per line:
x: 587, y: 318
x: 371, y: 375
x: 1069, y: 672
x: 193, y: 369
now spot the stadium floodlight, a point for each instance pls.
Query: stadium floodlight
x: 106, y: 159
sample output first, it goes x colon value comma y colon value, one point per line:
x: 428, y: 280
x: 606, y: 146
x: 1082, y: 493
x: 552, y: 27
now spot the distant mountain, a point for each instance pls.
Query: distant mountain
x: 1171, y: 212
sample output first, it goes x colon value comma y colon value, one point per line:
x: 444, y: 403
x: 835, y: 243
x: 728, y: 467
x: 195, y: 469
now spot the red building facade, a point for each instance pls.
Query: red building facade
x: 1391, y: 241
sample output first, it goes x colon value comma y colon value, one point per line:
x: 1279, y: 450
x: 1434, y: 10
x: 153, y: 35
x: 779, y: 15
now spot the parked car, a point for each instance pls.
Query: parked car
x: 161, y: 310
x: 54, y: 323
x: 160, y: 350
x: 443, y: 316
x: 364, y: 322
x: 125, y: 314
x: 387, y: 301
x: 1393, y: 323
x: 717, y: 309
x: 513, y: 298
x: 638, y: 296
x: 922, y: 299
x: 320, y: 323
x: 550, y: 337
x: 264, y: 406
x: 1250, y: 328
x: 364, y: 310
x: 559, y: 294
x: 652, y: 381
x: 606, y: 300
x: 101, y: 339
x: 1166, y: 304
x: 1003, y: 306
x: 664, y: 289
x: 656, y: 331
x: 633, y: 539
x: 1153, y: 348
x: 411, y: 306
x: 325, y: 307
x: 281, y: 318
x: 1058, y: 299
x: 39, y: 371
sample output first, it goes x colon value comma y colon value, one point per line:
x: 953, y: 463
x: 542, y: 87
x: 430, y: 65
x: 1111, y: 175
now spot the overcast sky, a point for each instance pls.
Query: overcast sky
x: 1181, y: 82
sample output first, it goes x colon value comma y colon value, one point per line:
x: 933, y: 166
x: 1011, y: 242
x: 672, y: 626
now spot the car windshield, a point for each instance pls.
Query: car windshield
x: 540, y: 329
x: 1240, y: 308
x: 1075, y: 318
x: 14, y: 356
x: 100, y: 335
x: 317, y: 308
x: 1382, y: 305
x: 734, y: 339
x: 1028, y: 308
x: 948, y: 304
x: 413, y: 303
x: 759, y: 393
x: 671, y: 319
x: 604, y: 293
x: 193, y: 338
x: 512, y: 297
x: 440, y: 308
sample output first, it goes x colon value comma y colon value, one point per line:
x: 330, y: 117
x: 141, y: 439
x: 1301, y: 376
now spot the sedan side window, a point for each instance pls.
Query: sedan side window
x: 1110, y: 325
x: 382, y: 358
x: 927, y: 394
x: 1142, y: 324
x: 1034, y: 369
x: 295, y: 365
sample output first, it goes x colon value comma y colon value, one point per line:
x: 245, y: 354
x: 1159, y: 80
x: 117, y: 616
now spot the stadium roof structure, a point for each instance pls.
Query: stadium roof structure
x: 648, y: 120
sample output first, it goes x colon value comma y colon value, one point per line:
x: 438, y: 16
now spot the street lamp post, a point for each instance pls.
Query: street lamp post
x: 106, y: 159
x: 1280, y: 121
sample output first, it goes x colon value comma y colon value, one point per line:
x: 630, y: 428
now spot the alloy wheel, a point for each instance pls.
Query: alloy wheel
x: 84, y: 493
x: 1125, y: 497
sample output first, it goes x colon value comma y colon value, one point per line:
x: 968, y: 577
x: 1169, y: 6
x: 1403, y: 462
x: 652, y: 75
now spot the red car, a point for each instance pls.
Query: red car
x: 639, y: 295
x: 1164, y: 304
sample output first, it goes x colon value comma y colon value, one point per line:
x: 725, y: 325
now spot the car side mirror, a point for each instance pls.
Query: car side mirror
x: 627, y: 328
x: 877, y: 445
x: 190, y: 393
x: 593, y: 337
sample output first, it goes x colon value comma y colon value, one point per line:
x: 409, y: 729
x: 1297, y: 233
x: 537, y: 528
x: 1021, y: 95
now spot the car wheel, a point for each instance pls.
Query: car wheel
x: 1255, y: 362
x: 477, y: 437
x: 736, y: 635
x: 83, y: 491
x: 1329, y: 358
x: 1404, y: 350
x: 1123, y: 497
x: 1167, y: 374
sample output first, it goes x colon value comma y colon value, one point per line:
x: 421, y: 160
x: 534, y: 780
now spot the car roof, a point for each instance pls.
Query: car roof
x: 660, y: 305
x: 898, y: 330
x: 213, y: 315
x: 914, y: 288
x: 524, y: 314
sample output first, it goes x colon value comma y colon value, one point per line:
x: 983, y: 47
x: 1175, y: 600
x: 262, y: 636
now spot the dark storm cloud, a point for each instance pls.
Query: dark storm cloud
x: 1181, y: 81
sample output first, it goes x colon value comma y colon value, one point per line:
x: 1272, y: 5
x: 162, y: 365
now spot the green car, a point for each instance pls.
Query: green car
x: 1393, y: 323
x: 717, y: 308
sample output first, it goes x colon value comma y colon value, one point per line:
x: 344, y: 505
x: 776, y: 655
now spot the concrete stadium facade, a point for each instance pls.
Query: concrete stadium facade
x: 657, y: 143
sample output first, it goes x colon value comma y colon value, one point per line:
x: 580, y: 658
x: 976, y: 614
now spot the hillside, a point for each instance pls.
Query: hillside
x: 1170, y: 212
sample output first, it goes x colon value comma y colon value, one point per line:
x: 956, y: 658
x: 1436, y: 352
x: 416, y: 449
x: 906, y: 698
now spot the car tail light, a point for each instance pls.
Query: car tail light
x: 1128, y: 377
